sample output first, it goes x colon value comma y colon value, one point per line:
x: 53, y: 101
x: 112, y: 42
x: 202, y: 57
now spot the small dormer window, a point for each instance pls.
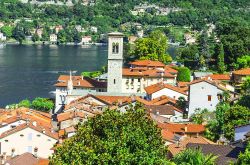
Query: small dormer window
x: 115, y: 48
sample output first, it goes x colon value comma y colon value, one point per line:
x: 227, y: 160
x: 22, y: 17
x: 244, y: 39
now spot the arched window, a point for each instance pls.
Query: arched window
x: 115, y: 48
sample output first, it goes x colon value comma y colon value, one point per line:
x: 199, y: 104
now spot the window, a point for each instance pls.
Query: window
x: 115, y: 48
x: 30, y: 136
x: 114, y: 81
x: 209, y: 97
x: 29, y: 149
x: 139, y: 80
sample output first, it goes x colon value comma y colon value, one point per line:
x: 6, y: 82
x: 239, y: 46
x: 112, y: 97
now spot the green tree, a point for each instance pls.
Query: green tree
x: 42, y: 104
x: 194, y: 157
x: 244, y: 158
x: 62, y: 36
x: 220, y: 58
x: 114, y: 138
x: 18, y: 34
x: 181, y: 103
x: 7, y: 31
x: 243, y: 62
x: 35, y: 38
x: 24, y: 103
x: 246, y: 85
x: 184, y: 74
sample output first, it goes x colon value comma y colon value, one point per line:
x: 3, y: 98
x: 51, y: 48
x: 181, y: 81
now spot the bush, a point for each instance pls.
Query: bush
x: 42, y: 104
x: 184, y: 74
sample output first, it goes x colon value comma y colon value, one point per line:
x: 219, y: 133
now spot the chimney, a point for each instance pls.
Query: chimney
x: 35, y: 152
x: 177, y: 144
x: 186, y: 129
x: 43, y: 131
x: 78, y: 83
x: 82, y: 77
x: 12, y: 152
x: 34, y: 123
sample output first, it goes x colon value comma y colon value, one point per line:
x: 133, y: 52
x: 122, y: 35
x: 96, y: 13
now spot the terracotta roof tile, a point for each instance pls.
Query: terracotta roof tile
x: 214, y: 83
x: 27, y: 159
x: 244, y: 72
x: 162, y: 109
x: 180, y: 128
x: 177, y: 148
x: 147, y: 63
x: 166, y: 135
x: 80, y: 81
x: 159, y: 86
x: 70, y: 115
x: 220, y: 77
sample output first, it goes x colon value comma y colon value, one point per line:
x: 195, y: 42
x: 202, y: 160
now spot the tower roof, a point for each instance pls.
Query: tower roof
x: 116, y: 34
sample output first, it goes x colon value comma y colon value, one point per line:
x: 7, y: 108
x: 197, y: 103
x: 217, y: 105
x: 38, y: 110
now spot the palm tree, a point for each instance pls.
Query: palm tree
x: 194, y: 157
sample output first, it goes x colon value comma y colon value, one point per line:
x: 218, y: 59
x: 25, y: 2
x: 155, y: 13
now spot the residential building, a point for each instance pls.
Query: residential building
x: 201, y: 75
x: 239, y: 76
x: 219, y: 77
x: 25, y: 158
x: 164, y: 113
x: 226, y: 154
x: 34, y: 139
x: 132, y: 39
x: 53, y: 38
x: 39, y: 32
x: 2, y: 37
x: 58, y: 28
x: 67, y: 84
x: 204, y: 94
x: 86, y: 39
x: 189, y: 39
x: 161, y: 89
x: 93, y: 29
x: 140, y: 33
x: 241, y: 132
x: 181, y: 144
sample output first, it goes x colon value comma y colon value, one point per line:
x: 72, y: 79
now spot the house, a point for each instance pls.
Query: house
x: 67, y: 84
x: 86, y: 39
x: 239, y: 76
x: 166, y: 112
x: 226, y: 154
x: 26, y: 157
x: 39, y: 32
x: 79, y: 28
x: 143, y: 73
x: 93, y: 29
x: 201, y: 75
x: 140, y: 33
x: 204, y: 94
x: 58, y: 28
x: 219, y: 77
x: 188, y: 130
x: 241, y: 132
x: 161, y: 89
x: 181, y: 144
x: 2, y: 37
x: 34, y: 138
x: 53, y: 38
x: 189, y: 39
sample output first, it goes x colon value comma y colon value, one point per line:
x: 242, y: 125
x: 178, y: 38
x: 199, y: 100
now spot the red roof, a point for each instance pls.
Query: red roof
x: 80, y: 81
x: 220, y: 77
x: 147, y: 63
x: 141, y: 72
x: 159, y: 86
x: 243, y: 72
x: 166, y: 135
x: 182, y: 128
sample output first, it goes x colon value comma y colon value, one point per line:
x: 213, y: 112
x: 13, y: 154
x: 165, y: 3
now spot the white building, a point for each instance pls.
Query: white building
x: 93, y: 29
x: 2, y: 37
x: 204, y: 94
x: 53, y: 38
x: 68, y: 84
x: 161, y: 89
x: 28, y: 138
x: 86, y: 39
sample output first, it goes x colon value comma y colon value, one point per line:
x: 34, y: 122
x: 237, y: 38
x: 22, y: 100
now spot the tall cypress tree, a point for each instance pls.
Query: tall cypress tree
x: 220, y: 58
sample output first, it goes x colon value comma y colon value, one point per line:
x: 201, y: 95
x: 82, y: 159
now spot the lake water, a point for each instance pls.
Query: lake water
x: 31, y: 71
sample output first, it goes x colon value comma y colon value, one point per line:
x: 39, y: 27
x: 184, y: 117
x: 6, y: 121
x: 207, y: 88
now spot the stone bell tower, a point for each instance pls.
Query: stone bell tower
x: 115, y: 62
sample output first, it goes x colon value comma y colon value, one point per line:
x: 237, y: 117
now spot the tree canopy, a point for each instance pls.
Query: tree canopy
x: 114, y: 138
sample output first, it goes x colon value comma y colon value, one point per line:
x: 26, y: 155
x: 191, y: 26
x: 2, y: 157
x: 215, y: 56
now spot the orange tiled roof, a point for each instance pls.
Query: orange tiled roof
x: 182, y: 84
x: 166, y: 135
x: 159, y: 86
x: 243, y: 72
x: 114, y: 99
x: 175, y: 149
x: 214, y: 83
x: 180, y: 128
x: 69, y: 115
x: 220, y: 77
x: 162, y: 100
x: 39, y: 128
x: 80, y: 81
x: 169, y: 69
x: 147, y: 63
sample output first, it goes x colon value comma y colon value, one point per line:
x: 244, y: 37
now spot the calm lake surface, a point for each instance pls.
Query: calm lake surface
x: 31, y: 71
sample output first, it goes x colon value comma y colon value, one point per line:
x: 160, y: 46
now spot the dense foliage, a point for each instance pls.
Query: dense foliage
x: 114, y: 138
x: 244, y: 158
x: 194, y: 157
x: 184, y: 74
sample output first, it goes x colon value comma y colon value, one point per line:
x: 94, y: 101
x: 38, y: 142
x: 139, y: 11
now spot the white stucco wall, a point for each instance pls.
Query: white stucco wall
x: 44, y: 143
x: 198, y: 97
x: 167, y: 92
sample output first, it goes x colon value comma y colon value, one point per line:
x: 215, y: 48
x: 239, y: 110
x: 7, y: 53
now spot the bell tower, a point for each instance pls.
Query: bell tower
x: 115, y: 62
